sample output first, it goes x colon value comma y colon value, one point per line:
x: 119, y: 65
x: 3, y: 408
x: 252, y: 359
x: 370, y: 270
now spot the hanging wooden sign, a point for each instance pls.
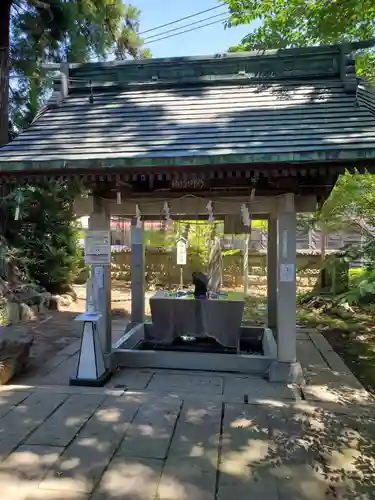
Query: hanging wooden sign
x: 193, y: 183
x: 181, y: 252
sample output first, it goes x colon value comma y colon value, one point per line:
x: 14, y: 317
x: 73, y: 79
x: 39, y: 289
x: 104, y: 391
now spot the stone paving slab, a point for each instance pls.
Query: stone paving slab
x: 207, y: 384
x: 64, y: 389
x: 255, y: 388
x: 9, y: 400
x: 82, y: 464
x: 320, y: 342
x: 70, y: 349
x: 312, y: 455
x: 12, y: 489
x: 302, y: 335
x: 48, y: 367
x: 301, y: 481
x: 308, y: 355
x: 36, y: 494
x: 62, y: 373
x: 193, y: 397
x: 333, y: 379
x: 149, y: 435
x: 337, y: 364
x: 30, y: 463
x: 238, y: 481
x: 65, y: 423
x: 245, y: 434
x: 187, y: 478
x: 133, y: 380
x: 322, y: 393
x: 289, y: 450
x: 130, y: 479
x: 52, y: 364
x: 310, y: 407
x: 192, y: 437
x: 197, y: 432
x: 328, y: 379
x: 23, y: 419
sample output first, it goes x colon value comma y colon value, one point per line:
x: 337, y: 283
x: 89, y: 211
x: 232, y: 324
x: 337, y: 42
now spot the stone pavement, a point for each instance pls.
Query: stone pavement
x: 177, y: 435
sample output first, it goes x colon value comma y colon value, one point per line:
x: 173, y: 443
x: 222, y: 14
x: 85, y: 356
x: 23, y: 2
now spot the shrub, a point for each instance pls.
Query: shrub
x: 46, y: 235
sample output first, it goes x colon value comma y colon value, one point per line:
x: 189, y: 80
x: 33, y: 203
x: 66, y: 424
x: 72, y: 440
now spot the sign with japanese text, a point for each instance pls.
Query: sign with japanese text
x: 97, y: 247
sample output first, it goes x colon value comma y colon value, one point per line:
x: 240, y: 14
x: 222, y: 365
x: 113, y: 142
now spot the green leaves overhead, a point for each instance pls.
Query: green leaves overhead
x: 56, y: 31
x: 285, y: 23
x: 76, y: 30
x: 41, y: 31
x: 298, y: 23
x: 351, y: 203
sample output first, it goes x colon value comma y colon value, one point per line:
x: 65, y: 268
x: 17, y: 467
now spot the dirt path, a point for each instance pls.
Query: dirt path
x: 56, y: 330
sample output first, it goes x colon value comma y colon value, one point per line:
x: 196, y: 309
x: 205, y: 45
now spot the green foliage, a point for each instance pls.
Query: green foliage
x: 298, y: 23
x: 156, y: 239
x: 356, y: 286
x: 56, y: 31
x: 45, y: 237
x: 197, y: 258
x: 349, y: 207
x: 362, y: 289
x: 351, y: 201
x: 235, y: 251
x: 354, y: 273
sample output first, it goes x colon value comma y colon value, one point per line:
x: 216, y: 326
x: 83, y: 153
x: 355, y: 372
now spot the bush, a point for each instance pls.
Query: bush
x: 46, y: 235
x: 362, y: 288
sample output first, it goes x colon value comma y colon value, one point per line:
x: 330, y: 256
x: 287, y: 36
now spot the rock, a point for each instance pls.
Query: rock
x: 54, y: 303
x: 45, y: 300
x: 13, y: 309
x: 14, y: 352
x: 26, y: 313
x: 43, y: 309
x: 31, y: 295
x: 59, y: 302
x: 72, y: 294
x: 4, y: 287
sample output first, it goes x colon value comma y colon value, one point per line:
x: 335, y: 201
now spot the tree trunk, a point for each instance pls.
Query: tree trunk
x: 5, y: 6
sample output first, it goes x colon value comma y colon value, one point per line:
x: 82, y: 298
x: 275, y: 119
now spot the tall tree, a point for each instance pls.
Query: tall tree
x: 297, y: 23
x: 33, y: 32
x: 284, y: 23
x: 5, y: 8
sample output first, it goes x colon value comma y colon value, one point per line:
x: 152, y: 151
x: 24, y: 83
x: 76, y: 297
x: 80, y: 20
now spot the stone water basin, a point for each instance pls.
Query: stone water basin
x: 179, y: 314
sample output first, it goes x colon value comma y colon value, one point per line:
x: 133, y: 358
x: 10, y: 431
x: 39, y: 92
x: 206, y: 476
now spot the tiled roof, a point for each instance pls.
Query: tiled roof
x: 236, y: 116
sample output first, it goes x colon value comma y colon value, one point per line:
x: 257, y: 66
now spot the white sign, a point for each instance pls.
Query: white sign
x: 99, y: 276
x: 287, y: 273
x: 98, y: 247
x: 181, y: 252
x: 285, y: 244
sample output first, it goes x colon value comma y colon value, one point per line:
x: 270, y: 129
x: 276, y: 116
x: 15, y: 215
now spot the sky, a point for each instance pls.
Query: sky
x: 205, y: 41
